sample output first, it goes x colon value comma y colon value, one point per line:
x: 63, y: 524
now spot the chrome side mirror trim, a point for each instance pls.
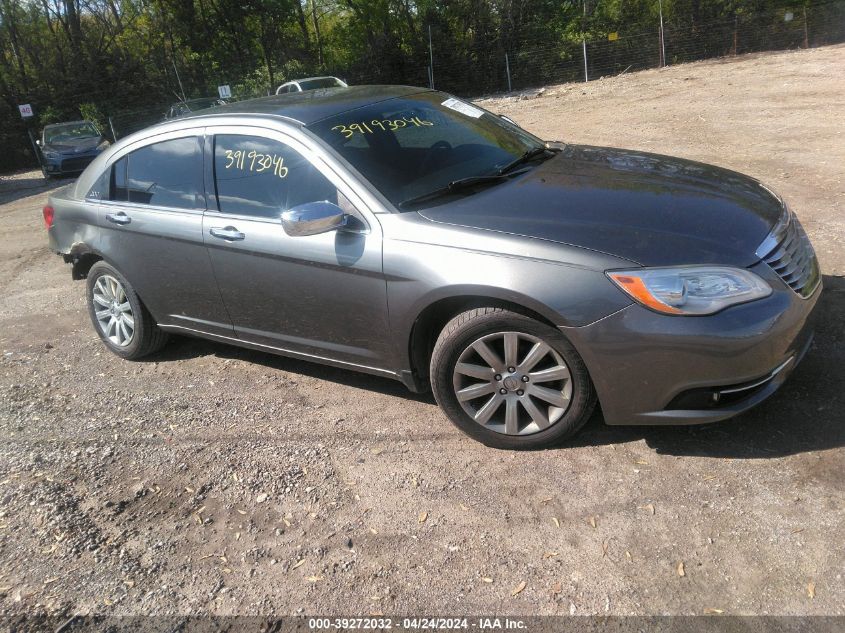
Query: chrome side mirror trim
x: 313, y: 218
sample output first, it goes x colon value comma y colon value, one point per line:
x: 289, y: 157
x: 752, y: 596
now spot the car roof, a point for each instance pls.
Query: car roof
x: 313, y: 105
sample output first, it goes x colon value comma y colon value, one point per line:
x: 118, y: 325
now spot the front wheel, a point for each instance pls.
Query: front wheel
x: 123, y: 323
x: 510, y: 381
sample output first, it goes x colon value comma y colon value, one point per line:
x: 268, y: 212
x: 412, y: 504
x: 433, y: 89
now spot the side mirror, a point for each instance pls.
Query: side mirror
x: 313, y: 218
x: 508, y: 119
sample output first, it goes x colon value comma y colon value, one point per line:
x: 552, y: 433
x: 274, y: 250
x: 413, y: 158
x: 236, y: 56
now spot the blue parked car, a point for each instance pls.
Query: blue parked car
x: 68, y: 148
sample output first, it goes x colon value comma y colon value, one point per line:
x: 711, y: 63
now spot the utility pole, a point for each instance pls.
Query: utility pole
x: 806, y: 34
x: 662, y: 41
x: 508, y: 70
x: 736, y: 32
x: 430, y: 59
x: 584, y: 41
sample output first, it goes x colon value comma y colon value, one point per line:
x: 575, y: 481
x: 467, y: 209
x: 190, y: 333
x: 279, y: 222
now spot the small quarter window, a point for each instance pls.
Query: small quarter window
x: 100, y: 189
x: 166, y: 174
x: 260, y: 177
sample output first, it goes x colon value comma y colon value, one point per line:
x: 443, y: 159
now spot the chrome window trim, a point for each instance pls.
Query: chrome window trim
x: 196, y: 132
x: 152, y: 139
x: 117, y: 204
x: 373, y: 202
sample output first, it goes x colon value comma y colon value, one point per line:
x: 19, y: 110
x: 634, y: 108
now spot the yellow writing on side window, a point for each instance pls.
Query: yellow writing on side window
x: 362, y: 127
x: 256, y: 162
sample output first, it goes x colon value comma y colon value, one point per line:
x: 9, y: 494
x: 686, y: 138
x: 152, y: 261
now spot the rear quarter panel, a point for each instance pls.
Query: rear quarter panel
x: 75, y: 230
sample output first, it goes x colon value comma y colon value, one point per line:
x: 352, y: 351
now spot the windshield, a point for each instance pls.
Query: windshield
x: 322, y: 82
x: 409, y: 146
x: 69, y: 132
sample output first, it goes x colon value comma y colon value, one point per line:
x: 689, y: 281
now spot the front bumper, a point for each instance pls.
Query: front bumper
x: 650, y: 368
x: 69, y: 163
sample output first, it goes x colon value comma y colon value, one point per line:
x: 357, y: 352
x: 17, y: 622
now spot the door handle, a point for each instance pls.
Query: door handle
x: 228, y: 233
x: 118, y: 218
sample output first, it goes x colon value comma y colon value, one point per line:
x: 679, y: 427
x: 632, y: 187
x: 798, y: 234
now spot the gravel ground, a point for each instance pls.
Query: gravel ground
x: 215, y: 480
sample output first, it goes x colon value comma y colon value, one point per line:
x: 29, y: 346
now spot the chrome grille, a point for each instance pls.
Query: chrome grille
x: 788, y: 251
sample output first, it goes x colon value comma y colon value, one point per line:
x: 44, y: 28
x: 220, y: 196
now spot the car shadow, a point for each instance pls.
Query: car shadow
x: 182, y: 348
x: 22, y: 185
x: 805, y: 415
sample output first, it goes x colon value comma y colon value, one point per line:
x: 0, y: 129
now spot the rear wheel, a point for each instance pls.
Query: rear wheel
x: 510, y: 381
x: 123, y: 323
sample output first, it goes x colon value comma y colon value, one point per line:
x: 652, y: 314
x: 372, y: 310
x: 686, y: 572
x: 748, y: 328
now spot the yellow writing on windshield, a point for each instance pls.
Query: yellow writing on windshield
x: 255, y: 162
x: 363, y: 127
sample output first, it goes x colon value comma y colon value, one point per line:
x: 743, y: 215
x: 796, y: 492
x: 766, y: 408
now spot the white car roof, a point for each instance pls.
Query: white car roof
x: 297, y: 81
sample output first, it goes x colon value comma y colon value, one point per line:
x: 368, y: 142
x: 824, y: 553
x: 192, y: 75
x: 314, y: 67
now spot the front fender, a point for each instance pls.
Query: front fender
x: 419, y: 274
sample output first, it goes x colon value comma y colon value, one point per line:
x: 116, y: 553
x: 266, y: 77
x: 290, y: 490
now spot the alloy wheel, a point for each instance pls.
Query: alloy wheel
x: 512, y: 383
x: 113, y: 311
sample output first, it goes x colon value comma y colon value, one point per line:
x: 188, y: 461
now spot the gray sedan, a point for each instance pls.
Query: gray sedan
x: 406, y: 233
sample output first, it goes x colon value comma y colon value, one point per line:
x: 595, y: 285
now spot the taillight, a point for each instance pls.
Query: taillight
x: 48, y: 212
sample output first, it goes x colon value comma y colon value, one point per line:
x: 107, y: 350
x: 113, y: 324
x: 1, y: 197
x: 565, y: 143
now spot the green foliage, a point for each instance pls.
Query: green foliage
x: 130, y: 59
x: 49, y: 115
x: 90, y: 112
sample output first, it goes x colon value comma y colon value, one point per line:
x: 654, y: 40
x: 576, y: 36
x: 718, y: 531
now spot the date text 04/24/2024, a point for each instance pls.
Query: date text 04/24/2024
x: 382, y: 623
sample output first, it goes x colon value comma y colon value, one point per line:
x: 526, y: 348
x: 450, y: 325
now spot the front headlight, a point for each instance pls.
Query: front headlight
x: 690, y: 290
x: 103, y: 145
x: 51, y: 155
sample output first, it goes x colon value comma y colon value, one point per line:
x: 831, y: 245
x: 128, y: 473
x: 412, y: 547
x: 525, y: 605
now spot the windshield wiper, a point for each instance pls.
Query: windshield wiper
x: 454, y: 187
x: 527, y: 156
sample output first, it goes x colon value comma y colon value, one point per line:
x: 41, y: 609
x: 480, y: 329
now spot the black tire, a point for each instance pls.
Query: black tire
x: 467, y: 328
x: 147, y: 337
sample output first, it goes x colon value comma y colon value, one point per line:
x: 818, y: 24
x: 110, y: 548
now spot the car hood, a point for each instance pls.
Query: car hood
x: 650, y: 209
x: 75, y: 146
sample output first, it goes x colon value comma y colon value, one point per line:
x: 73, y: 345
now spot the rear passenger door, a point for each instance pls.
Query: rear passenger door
x: 151, y: 224
x: 321, y: 295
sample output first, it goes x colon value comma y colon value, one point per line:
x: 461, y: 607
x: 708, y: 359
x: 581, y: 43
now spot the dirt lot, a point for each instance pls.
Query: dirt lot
x: 215, y: 480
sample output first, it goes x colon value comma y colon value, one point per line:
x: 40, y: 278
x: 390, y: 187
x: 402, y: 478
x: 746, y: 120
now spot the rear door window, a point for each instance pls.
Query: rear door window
x: 262, y: 178
x: 165, y: 174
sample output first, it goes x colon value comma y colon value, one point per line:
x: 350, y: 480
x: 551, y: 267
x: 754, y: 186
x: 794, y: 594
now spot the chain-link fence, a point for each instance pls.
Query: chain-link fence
x: 536, y: 59
x: 537, y: 63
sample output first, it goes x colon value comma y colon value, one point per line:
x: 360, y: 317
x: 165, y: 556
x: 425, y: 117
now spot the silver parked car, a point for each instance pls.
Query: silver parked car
x: 310, y: 83
x: 409, y: 234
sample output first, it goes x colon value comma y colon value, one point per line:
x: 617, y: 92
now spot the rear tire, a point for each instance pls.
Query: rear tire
x: 527, y: 387
x: 119, y: 317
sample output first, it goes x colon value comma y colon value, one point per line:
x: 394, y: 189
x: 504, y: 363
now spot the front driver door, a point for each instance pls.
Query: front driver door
x: 321, y: 296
